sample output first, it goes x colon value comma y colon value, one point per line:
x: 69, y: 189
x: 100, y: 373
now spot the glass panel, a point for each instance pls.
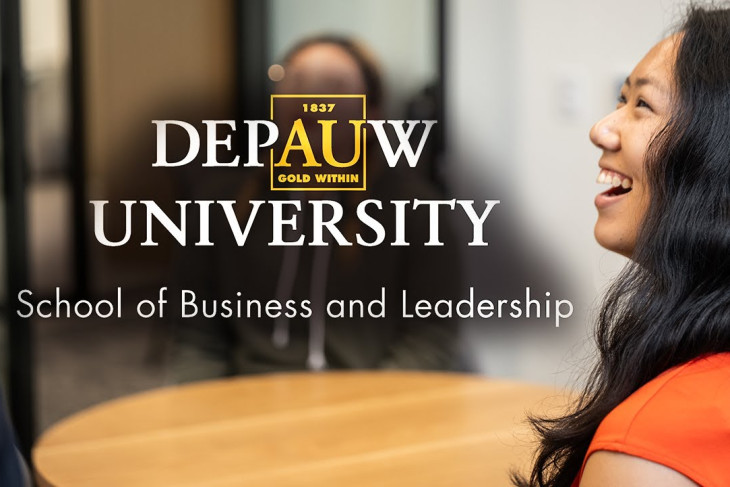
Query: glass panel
x: 46, y: 66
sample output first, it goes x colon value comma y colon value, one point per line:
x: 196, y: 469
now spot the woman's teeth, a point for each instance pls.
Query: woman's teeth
x: 614, y: 179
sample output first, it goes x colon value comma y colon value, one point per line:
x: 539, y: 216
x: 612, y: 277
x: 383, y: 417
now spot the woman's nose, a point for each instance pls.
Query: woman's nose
x: 605, y: 134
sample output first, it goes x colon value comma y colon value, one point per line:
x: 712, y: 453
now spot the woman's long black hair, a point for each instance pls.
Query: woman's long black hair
x: 671, y: 304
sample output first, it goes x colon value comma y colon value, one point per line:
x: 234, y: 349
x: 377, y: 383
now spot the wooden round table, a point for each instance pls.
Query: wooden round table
x: 305, y: 429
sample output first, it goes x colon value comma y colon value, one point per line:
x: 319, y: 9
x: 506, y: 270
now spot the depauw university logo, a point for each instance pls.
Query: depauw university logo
x: 322, y: 143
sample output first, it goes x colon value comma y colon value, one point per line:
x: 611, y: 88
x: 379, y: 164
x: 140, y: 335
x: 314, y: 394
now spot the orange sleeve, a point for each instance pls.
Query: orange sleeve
x: 681, y: 419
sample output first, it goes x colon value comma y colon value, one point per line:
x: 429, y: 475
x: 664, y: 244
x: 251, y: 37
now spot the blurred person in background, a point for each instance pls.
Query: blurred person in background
x: 207, y: 348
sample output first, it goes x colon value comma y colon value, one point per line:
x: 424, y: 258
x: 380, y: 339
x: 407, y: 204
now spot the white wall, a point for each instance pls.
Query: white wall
x: 526, y: 80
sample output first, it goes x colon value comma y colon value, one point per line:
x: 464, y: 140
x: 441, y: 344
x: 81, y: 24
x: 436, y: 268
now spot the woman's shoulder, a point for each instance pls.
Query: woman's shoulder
x: 679, y: 419
x: 700, y: 385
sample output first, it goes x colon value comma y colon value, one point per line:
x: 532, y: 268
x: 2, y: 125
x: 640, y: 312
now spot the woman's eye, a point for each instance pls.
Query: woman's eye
x: 642, y: 104
x: 621, y: 100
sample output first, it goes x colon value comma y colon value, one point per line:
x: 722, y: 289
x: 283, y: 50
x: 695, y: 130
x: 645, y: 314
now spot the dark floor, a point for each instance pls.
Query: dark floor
x: 82, y: 362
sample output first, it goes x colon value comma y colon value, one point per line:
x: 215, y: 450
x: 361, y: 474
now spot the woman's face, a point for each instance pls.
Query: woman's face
x: 327, y: 69
x: 624, y: 136
x: 322, y: 68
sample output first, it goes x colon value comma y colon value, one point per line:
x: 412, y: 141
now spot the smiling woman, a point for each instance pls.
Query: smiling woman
x: 654, y: 411
x: 624, y: 136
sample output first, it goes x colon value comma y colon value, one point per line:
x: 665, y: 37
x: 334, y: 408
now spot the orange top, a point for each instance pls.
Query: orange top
x: 680, y: 419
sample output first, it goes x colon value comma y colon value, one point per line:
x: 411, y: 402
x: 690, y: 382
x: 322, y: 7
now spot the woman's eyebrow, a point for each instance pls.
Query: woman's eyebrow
x: 639, y: 82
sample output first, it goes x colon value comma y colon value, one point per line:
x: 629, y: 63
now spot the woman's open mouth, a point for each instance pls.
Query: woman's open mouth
x: 620, y: 185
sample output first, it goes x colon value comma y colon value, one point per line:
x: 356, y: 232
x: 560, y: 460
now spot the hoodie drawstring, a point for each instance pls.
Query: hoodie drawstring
x: 316, y: 359
x: 318, y: 289
x: 284, y: 288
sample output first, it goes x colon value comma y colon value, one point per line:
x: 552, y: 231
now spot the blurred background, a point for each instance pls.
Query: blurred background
x: 515, y: 87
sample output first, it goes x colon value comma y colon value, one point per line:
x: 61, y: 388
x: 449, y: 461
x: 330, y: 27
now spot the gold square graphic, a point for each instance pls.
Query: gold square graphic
x: 321, y: 144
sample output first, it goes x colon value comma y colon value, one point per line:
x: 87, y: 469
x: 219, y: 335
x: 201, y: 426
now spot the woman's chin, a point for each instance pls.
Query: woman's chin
x: 613, y: 239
